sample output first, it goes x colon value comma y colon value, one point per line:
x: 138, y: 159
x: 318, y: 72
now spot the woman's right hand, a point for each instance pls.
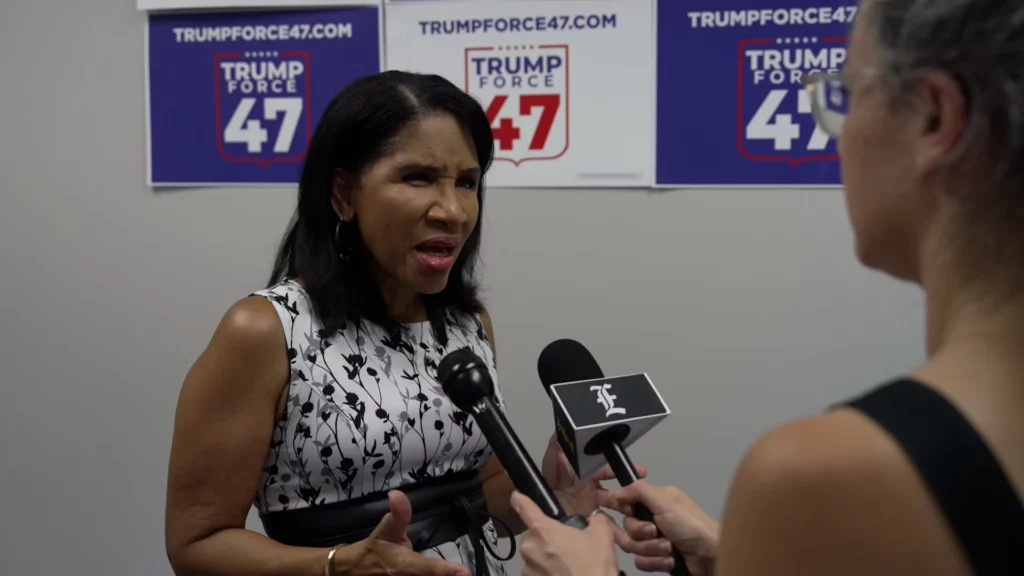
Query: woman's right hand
x: 680, y: 520
x: 388, y: 549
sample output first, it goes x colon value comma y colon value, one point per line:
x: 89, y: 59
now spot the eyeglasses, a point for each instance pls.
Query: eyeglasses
x: 830, y: 100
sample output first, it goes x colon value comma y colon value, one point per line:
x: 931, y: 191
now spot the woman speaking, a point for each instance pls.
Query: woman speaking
x: 316, y: 399
x: 923, y: 474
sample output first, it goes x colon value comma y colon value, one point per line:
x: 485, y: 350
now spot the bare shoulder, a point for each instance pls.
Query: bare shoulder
x: 833, y: 494
x: 247, y: 348
x: 251, y: 322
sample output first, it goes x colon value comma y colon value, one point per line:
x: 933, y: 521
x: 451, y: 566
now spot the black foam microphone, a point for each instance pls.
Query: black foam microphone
x: 468, y: 384
x: 568, y: 361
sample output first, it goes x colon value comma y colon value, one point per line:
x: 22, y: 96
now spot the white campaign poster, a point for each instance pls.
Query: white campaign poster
x: 203, y: 4
x: 567, y: 84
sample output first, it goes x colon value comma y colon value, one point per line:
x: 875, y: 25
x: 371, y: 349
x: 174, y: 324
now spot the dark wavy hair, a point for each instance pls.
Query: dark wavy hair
x: 359, y: 127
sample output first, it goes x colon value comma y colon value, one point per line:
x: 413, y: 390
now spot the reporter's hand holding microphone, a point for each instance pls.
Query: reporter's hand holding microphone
x: 680, y: 527
x: 682, y: 523
x: 552, y: 549
x: 665, y: 529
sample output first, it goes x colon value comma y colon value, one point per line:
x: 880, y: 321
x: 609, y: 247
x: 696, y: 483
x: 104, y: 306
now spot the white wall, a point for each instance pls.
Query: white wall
x: 746, y: 307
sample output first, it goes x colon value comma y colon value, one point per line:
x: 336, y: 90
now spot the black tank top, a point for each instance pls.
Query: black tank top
x: 977, y: 499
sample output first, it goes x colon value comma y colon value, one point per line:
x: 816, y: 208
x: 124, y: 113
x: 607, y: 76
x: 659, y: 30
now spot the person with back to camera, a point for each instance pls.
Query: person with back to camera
x: 316, y: 399
x: 923, y: 474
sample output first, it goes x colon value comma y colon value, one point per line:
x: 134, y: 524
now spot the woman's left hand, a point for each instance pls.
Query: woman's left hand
x: 551, y: 548
x: 577, y: 497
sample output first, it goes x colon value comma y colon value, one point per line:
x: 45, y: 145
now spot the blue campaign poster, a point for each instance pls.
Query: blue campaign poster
x: 731, y: 109
x: 234, y: 97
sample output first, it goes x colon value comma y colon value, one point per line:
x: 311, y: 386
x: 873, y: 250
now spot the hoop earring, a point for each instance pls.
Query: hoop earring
x: 343, y: 250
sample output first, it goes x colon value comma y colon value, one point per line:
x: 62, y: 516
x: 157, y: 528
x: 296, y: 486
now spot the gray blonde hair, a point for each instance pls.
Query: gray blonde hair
x: 980, y: 43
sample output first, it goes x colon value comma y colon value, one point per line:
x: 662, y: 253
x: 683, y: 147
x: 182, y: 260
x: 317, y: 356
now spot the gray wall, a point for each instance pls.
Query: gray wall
x: 746, y: 307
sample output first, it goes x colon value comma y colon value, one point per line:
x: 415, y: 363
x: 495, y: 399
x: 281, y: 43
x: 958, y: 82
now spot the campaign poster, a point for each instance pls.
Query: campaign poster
x: 732, y: 110
x: 568, y: 85
x: 234, y: 97
x: 207, y: 4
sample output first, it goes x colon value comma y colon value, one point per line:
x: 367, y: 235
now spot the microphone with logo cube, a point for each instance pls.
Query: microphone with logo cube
x: 597, y: 418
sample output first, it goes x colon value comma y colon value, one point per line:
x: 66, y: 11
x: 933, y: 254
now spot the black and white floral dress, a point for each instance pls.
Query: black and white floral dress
x: 366, y: 414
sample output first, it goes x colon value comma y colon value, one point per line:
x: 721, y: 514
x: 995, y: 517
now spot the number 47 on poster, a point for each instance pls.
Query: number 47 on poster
x: 782, y: 71
x: 243, y: 129
x: 262, y: 93
x: 770, y: 124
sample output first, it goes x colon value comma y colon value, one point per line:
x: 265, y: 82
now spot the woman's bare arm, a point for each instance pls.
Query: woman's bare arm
x: 222, y: 430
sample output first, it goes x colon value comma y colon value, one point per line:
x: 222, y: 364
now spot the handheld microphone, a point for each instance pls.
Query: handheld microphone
x: 467, y: 383
x: 568, y: 364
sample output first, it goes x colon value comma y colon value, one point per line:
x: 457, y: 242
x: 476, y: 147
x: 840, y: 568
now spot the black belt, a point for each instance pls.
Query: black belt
x: 443, y: 509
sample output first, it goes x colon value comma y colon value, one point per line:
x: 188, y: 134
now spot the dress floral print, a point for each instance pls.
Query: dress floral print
x: 366, y: 414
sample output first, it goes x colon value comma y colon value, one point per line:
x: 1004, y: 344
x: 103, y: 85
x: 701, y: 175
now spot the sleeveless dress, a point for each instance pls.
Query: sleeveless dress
x: 365, y: 414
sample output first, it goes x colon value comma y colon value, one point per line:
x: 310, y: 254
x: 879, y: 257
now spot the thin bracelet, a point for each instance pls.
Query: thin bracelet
x: 330, y: 556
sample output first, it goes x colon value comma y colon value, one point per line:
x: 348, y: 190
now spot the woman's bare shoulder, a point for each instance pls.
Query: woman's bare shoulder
x: 247, y: 346
x: 252, y: 321
x: 833, y: 494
